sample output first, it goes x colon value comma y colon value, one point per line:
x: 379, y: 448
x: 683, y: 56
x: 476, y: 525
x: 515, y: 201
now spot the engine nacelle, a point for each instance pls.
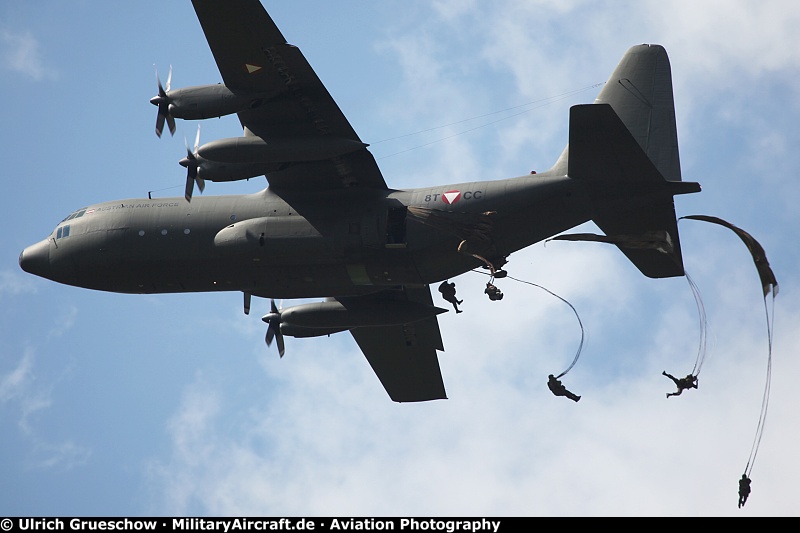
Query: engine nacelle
x: 211, y: 101
x: 280, y: 239
x: 300, y: 332
x: 241, y: 158
x: 252, y: 231
x: 323, y: 318
x: 254, y: 149
x: 217, y: 171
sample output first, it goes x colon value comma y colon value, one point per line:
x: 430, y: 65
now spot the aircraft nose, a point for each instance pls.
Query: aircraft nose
x: 35, y: 259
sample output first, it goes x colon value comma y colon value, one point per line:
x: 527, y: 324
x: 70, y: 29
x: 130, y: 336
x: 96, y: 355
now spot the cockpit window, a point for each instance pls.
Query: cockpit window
x: 63, y: 231
x: 77, y: 214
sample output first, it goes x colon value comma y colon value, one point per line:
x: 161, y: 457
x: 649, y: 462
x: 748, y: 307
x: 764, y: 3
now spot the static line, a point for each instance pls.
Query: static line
x: 580, y: 323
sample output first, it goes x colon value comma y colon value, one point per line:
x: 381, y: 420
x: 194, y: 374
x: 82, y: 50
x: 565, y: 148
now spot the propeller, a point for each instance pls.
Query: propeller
x: 273, y: 319
x: 163, y: 101
x: 192, y: 167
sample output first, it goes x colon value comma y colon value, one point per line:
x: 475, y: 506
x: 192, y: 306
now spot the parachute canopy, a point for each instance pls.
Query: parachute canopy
x: 768, y: 281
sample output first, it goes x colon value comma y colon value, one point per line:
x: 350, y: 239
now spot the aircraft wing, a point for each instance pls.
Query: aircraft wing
x: 253, y: 56
x: 404, y: 356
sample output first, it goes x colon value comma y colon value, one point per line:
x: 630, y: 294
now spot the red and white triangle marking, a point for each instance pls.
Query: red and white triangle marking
x: 451, y: 197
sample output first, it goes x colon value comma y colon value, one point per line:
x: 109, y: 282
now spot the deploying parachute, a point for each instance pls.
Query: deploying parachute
x: 768, y: 280
x: 661, y: 241
x: 769, y: 283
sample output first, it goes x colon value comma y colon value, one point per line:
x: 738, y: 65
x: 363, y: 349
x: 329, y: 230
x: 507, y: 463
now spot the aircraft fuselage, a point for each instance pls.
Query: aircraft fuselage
x: 299, y: 244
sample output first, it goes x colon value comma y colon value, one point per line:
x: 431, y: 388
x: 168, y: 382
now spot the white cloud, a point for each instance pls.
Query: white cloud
x: 14, y: 383
x: 64, y: 322
x: 15, y: 283
x: 718, y: 38
x: 65, y: 455
x: 21, y: 53
x: 21, y: 391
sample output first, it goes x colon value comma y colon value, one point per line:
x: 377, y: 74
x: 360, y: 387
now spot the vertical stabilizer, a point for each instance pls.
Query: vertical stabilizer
x: 624, y: 147
x: 640, y: 92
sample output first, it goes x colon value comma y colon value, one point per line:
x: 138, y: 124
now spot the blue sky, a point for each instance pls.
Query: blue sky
x: 172, y: 405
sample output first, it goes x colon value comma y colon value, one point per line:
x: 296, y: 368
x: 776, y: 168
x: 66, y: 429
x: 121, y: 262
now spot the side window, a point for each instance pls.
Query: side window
x: 63, y: 231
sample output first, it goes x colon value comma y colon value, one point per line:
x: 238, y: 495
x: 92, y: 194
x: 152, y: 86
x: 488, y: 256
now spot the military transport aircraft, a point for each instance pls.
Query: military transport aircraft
x: 327, y: 226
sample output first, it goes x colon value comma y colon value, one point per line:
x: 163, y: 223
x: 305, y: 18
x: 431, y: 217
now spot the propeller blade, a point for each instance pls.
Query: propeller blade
x: 159, y: 124
x: 281, y: 347
x: 273, y: 319
x: 274, y: 333
x: 161, y: 92
x: 162, y: 101
x: 192, y: 168
x: 189, y: 186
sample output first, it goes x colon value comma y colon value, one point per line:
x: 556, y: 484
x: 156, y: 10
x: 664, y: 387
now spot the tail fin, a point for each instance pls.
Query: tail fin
x: 640, y: 91
x: 625, y: 148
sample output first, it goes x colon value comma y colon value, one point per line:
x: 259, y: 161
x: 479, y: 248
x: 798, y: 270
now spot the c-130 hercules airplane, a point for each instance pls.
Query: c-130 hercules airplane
x: 327, y: 226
